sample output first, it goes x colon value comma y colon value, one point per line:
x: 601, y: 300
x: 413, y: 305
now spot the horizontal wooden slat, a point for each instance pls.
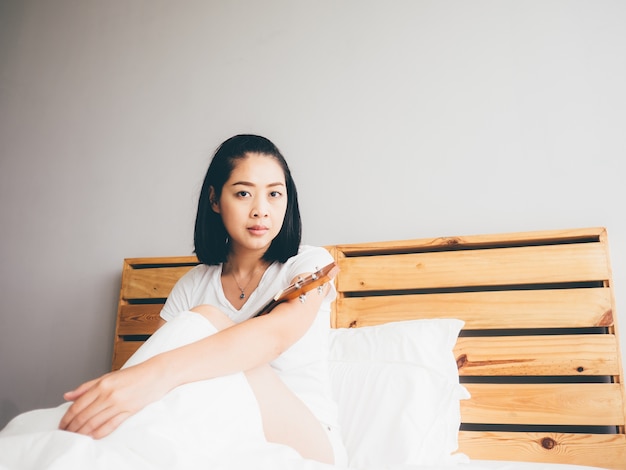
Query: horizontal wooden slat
x: 599, y: 450
x: 531, y: 237
x: 465, y: 268
x: 141, y: 319
x: 546, y: 355
x: 161, y: 260
x: 151, y: 283
x: 592, y: 404
x: 123, y: 350
x: 554, y: 308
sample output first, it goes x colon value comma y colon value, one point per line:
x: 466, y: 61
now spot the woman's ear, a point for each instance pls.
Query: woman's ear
x: 215, y: 205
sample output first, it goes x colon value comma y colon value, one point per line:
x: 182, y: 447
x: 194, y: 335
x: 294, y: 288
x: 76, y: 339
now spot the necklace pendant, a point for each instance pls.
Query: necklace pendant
x: 242, y: 295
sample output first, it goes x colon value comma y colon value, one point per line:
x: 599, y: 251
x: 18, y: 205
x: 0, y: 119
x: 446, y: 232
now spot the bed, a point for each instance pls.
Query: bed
x: 537, y: 347
x: 484, y: 352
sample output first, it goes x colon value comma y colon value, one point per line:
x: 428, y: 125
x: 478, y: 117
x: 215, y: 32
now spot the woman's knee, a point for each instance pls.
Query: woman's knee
x: 218, y: 319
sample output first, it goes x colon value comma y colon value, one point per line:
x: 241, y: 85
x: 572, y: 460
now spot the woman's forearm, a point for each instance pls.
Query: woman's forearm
x: 237, y: 348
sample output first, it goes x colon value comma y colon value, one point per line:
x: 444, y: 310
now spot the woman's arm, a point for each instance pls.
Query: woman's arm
x: 101, y: 405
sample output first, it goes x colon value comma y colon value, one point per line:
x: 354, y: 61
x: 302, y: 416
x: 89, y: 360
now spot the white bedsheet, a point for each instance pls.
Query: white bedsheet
x: 190, y: 428
x: 31, y: 442
x: 165, y: 436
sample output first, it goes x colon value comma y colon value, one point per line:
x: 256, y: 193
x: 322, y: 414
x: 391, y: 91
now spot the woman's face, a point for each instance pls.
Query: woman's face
x: 253, y: 203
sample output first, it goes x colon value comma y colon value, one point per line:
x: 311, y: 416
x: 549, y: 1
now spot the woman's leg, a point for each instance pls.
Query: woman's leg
x: 286, y: 419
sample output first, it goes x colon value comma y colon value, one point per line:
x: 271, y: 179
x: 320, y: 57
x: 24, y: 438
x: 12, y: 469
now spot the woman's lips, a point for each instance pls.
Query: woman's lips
x: 258, y: 229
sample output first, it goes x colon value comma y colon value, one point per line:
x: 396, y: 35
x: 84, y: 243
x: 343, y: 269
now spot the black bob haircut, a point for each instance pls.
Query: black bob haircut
x: 210, y: 236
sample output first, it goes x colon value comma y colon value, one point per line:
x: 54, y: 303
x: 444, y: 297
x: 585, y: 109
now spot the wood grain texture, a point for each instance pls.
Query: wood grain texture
x: 472, y: 241
x: 123, y: 351
x: 151, y: 283
x: 599, y: 450
x: 592, y: 404
x: 551, y: 308
x: 467, y: 268
x: 553, y: 355
x: 141, y: 319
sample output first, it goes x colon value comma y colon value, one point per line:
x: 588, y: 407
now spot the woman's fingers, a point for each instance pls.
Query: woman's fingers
x: 101, y: 405
x: 110, y: 425
x: 101, y: 424
x: 68, y: 422
x: 91, y: 418
x: 89, y: 410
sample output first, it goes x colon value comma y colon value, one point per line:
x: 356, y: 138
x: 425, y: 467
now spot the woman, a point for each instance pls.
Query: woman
x: 247, y: 237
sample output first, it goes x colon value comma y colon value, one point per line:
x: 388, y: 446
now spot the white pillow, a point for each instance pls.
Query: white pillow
x: 397, y: 388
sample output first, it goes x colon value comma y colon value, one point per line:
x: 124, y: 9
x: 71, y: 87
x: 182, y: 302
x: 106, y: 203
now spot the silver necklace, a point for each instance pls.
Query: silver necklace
x: 242, y: 289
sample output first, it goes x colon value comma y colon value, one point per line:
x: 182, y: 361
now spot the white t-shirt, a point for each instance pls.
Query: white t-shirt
x: 304, y: 366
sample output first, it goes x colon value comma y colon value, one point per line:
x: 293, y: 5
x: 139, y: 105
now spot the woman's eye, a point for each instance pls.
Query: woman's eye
x: 276, y: 194
x: 243, y: 194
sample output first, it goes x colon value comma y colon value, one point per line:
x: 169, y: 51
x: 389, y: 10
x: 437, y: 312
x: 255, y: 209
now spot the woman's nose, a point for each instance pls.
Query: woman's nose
x: 260, y: 209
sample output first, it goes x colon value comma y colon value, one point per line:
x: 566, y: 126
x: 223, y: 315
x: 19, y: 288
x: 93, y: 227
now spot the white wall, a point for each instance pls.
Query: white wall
x: 403, y: 119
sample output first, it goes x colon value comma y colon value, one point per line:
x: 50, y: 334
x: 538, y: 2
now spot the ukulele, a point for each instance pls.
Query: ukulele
x: 300, y: 287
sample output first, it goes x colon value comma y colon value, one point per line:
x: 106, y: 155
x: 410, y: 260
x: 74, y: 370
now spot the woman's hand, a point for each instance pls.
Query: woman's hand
x: 102, y: 404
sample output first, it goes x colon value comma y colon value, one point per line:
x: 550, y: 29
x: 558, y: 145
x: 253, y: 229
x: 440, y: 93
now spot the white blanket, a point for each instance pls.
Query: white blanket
x: 213, y: 424
x: 31, y: 443
x: 215, y: 421
x: 169, y: 434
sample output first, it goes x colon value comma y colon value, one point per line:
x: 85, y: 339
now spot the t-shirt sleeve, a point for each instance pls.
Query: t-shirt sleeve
x: 311, y: 259
x: 180, y: 297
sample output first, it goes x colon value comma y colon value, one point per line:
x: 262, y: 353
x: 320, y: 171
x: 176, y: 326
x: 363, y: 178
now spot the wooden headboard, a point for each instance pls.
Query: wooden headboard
x: 539, y: 352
